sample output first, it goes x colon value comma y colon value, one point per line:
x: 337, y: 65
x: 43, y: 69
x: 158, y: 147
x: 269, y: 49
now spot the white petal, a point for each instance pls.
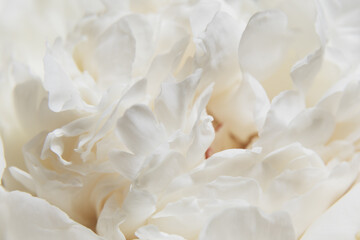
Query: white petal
x: 143, y: 32
x: 262, y: 103
x: 290, y: 184
x: 23, y: 217
x: 201, y: 15
x: 284, y: 158
x: 161, y: 172
x: 2, y: 159
x: 63, y: 94
x: 342, y: 31
x: 283, y: 109
x: 248, y: 223
x: 184, y: 218
x: 263, y: 43
x: 151, y: 232
x: 137, y: 207
x: 115, y: 54
x: 341, y: 221
x: 139, y: 130
x: 127, y: 164
x: 163, y: 65
x: 32, y: 107
x: 312, y: 127
x: 305, y: 208
x: 110, y: 219
x: 217, y: 52
x: 173, y: 102
x: 304, y: 71
x: 233, y: 188
x: 348, y: 107
x: 24, y: 178
x: 202, y: 135
x: 231, y: 162
x: 240, y: 110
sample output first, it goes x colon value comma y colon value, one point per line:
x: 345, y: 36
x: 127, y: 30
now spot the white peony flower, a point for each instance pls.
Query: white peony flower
x: 157, y: 119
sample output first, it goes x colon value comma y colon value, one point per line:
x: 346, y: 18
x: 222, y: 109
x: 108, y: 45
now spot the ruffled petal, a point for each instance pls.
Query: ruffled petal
x: 139, y: 130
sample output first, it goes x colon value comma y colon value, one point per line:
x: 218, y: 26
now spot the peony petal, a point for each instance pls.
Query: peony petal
x: 342, y: 31
x: 341, y: 221
x: 24, y: 178
x: 312, y: 127
x: 263, y: 41
x: 23, y: 216
x: 63, y: 94
x: 348, y: 106
x: 233, y: 188
x: 183, y: 217
x: 110, y: 219
x: 115, y: 54
x: 173, y: 102
x: 139, y: 130
x: 305, y: 208
x: 286, y: 157
x: 101, y: 126
x: 32, y: 106
x: 304, y: 71
x: 137, y: 207
x: 291, y: 184
x: 2, y: 159
x: 202, y: 135
x: 163, y: 65
x: 159, y: 173
x: 151, y: 232
x: 261, y: 102
x: 283, y: 110
x: 201, y: 15
x: 127, y: 164
x: 231, y: 162
x: 240, y: 110
x: 286, y: 106
x: 248, y: 223
x: 217, y: 52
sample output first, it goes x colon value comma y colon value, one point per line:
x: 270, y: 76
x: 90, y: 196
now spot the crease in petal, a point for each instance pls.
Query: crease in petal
x: 37, y: 219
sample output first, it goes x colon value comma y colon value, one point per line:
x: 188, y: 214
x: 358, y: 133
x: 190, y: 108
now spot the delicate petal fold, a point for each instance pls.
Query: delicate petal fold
x: 23, y: 216
x: 139, y: 130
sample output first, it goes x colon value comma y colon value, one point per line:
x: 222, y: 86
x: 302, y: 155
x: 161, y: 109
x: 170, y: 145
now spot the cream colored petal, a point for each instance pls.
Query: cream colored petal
x: 263, y: 41
x: 248, y: 223
x: 115, y: 53
x: 172, y: 105
x: 340, y: 221
x: 139, y: 130
x: 151, y: 232
x: 26, y: 217
x: 2, y: 160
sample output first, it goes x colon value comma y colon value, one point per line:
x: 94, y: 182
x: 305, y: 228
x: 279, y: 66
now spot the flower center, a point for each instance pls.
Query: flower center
x: 357, y: 236
x: 225, y: 139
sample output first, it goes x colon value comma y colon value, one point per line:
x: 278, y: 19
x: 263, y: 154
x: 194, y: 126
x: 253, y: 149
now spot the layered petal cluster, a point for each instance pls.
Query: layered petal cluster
x: 158, y: 119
